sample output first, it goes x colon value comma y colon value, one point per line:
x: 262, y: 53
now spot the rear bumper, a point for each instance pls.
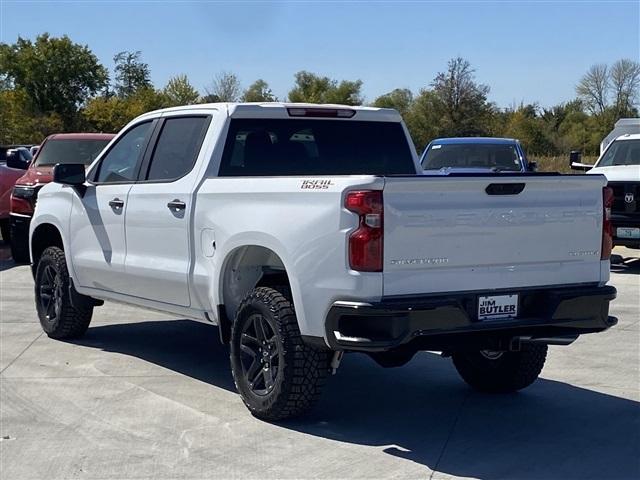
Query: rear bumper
x: 444, y: 321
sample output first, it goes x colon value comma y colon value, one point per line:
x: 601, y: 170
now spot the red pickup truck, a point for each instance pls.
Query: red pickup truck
x: 57, y: 148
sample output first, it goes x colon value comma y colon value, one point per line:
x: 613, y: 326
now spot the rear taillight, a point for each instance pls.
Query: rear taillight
x: 366, y: 242
x: 23, y: 200
x: 607, y: 228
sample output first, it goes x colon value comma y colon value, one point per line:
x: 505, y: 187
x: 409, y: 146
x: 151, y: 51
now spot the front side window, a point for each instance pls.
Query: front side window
x: 277, y: 147
x: 469, y: 155
x: 120, y: 164
x: 70, y: 151
x: 177, y: 147
x: 621, y: 152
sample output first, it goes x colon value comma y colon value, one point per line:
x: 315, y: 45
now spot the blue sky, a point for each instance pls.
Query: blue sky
x: 525, y: 51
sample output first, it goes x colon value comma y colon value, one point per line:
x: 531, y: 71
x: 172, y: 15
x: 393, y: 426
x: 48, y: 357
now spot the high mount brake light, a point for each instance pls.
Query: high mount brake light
x: 607, y: 227
x: 321, y: 112
x: 366, y: 242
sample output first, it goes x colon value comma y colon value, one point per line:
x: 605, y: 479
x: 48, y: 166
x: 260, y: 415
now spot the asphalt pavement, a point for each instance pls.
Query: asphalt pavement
x: 147, y: 396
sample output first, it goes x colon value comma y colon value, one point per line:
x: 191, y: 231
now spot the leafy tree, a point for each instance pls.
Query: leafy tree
x: 258, y: 91
x: 401, y: 99
x: 57, y: 75
x: 21, y: 123
x: 131, y: 73
x: 110, y: 114
x: 180, y: 92
x: 225, y: 87
x: 593, y: 88
x: 422, y: 119
x: 311, y: 88
x: 461, y: 101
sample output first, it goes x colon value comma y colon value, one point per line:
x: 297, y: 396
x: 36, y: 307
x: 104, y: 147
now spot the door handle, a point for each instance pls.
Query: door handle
x: 176, y: 205
x: 116, y: 203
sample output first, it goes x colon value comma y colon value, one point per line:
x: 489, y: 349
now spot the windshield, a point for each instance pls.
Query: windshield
x: 472, y: 155
x: 621, y: 152
x: 69, y: 151
x: 315, y: 147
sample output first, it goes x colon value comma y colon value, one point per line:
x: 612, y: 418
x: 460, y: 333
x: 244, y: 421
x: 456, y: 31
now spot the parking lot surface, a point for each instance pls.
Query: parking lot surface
x: 147, y: 396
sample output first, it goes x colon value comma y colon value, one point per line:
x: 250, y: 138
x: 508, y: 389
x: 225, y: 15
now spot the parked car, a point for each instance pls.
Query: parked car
x: 58, y: 148
x: 475, y: 154
x: 304, y: 231
x: 12, y: 168
x: 620, y: 163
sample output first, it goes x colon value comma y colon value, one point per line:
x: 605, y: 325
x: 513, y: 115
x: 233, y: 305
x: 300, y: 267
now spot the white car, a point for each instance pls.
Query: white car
x: 620, y: 163
x: 305, y: 231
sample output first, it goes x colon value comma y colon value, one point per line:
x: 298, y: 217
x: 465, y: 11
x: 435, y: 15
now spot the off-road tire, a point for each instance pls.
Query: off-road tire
x: 301, y: 369
x: 510, y: 372
x: 63, y: 319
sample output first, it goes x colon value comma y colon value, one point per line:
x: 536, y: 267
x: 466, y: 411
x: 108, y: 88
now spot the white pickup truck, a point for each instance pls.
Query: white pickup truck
x: 304, y: 231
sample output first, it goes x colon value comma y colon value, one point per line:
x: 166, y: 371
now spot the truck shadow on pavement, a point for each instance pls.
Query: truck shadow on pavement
x: 423, y: 412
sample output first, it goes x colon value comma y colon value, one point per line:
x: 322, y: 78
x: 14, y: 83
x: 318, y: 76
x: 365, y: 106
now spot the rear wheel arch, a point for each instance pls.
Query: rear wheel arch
x: 244, y: 269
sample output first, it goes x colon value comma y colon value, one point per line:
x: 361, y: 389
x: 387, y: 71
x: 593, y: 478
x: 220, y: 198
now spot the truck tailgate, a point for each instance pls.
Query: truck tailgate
x: 448, y: 234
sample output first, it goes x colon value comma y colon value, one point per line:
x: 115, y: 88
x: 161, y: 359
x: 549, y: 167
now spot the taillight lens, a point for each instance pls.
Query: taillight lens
x: 23, y: 200
x: 607, y: 228
x: 366, y: 242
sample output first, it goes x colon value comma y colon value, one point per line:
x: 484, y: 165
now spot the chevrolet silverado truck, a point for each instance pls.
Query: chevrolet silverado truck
x: 620, y: 164
x: 306, y: 231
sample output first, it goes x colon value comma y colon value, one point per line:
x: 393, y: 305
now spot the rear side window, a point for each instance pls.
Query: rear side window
x: 274, y: 147
x: 177, y: 147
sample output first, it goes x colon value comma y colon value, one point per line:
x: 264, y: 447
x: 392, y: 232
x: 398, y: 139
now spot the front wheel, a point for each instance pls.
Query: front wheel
x: 58, y: 316
x: 277, y: 375
x: 501, y: 372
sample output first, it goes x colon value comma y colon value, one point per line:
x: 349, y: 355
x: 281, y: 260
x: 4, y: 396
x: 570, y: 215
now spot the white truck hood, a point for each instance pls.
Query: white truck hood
x: 618, y: 173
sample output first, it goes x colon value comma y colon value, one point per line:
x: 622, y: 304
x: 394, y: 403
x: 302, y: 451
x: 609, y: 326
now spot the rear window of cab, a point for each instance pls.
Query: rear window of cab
x: 283, y: 147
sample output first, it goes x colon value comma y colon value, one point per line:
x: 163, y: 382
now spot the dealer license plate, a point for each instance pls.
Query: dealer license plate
x: 628, y: 232
x: 497, y: 306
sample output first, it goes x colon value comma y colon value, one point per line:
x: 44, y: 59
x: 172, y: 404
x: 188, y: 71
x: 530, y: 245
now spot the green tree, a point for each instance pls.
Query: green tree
x: 311, y: 88
x: 57, y: 75
x: 131, y: 73
x: 461, y: 102
x: 111, y: 113
x: 258, y: 91
x: 400, y: 99
x: 180, y: 92
x: 21, y: 123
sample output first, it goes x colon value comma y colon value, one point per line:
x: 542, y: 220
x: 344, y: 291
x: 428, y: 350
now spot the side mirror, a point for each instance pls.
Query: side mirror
x: 575, y: 161
x: 14, y: 161
x: 69, y: 174
x: 533, y: 166
x: 575, y: 156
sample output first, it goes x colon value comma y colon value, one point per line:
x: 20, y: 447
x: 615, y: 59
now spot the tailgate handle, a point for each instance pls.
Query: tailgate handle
x: 504, y: 188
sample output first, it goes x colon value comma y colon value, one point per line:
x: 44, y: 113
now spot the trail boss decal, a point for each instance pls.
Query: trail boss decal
x: 316, y: 184
x: 498, y: 306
